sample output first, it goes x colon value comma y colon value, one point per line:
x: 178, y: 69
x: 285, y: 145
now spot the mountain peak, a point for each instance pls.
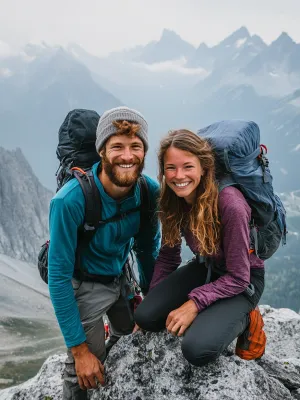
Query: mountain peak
x: 258, y: 40
x: 283, y: 40
x: 202, y: 46
x: 169, y: 47
x: 170, y: 37
x: 240, y: 33
x: 168, y: 33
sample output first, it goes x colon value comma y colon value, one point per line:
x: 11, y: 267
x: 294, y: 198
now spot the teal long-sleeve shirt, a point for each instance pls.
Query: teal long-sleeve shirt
x: 107, y: 251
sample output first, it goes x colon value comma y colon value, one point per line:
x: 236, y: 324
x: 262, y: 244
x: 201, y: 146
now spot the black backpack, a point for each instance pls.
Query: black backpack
x: 77, y: 154
x: 76, y: 144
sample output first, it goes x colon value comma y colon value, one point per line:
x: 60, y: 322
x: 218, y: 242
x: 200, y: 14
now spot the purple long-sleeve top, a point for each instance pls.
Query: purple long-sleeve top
x: 235, y: 215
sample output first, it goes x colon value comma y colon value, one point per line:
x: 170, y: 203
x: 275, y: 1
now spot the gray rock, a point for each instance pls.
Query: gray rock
x: 151, y: 366
x: 47, y: 383
x: 24, y: 204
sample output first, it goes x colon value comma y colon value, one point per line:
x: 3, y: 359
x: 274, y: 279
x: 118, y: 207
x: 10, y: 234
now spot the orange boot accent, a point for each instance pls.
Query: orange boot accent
x: 252, y: 342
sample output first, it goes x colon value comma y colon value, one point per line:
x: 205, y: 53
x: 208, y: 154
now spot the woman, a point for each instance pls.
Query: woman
x: 213, y: 302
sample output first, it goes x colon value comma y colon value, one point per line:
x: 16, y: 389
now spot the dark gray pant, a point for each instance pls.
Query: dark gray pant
x: 215, y: 327
x: 94, y: 300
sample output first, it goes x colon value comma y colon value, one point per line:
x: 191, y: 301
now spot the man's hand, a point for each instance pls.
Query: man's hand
x: 180, y: 319
x: 89, y: 369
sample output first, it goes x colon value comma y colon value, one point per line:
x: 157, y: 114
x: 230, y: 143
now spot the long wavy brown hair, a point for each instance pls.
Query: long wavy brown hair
x: 203, y: 218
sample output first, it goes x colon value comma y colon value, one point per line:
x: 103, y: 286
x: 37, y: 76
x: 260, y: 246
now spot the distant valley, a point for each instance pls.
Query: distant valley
x: 28, y: 328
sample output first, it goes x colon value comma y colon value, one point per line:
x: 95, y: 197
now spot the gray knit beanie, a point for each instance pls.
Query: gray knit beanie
x: 106, y: 129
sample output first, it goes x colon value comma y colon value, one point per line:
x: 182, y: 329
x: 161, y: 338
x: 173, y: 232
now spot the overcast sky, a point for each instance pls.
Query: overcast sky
x: 104, y: 26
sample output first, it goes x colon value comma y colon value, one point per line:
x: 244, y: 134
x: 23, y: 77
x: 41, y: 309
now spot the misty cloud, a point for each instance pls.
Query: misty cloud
x: 174, y: 66
x: 105, y: 26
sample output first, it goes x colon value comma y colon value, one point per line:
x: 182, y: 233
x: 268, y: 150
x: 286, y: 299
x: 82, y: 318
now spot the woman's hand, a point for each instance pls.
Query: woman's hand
x: 180, y: 319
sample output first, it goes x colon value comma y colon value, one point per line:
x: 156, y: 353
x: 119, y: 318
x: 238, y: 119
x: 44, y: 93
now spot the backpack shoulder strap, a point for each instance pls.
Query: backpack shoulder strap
x: 93, y: 211
x: 145, y: 207
x: 93, y: 205
x: 225, y: 181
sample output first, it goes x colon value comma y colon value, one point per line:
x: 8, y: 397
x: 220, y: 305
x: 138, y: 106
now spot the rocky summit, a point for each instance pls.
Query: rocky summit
x: 151, y: 367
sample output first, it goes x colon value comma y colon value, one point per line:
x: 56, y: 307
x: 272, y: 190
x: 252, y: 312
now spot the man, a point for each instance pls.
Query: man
x: 122, y: 142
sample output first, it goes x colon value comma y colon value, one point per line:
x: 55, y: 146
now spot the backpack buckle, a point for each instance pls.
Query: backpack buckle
x: 264, y: 161
x: 80, y: 170
x: 88, y: 227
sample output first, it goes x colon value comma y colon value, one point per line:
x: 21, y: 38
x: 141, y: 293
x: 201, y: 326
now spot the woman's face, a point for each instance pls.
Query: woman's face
x: 183, y: 173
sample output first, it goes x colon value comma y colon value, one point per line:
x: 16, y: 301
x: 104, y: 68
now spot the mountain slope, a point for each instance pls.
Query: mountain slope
x: 276, y: 70
x: 28, y: 328
x: 37, y: 103
x: 24, y: 206
x: 231, y: 54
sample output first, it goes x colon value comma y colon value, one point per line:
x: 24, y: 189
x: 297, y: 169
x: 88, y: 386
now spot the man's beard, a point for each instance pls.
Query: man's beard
x: 126, y: 179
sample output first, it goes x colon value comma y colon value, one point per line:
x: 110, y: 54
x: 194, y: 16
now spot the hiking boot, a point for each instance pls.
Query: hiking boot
x: 252, y: 342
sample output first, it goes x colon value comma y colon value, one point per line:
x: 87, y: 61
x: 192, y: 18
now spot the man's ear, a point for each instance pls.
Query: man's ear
x: 101, y: 152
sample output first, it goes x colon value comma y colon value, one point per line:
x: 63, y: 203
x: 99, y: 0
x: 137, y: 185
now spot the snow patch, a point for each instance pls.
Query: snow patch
x: 38, y: 43
x: 74, y: 54
x: 274, y: 75
x: 173, y: 66
x: 239, y: 43
x: 26, y: 57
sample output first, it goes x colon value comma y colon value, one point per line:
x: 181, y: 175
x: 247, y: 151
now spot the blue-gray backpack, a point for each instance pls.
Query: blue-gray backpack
x: 241, y: 162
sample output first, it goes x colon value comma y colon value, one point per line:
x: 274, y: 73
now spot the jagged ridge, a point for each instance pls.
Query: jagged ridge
x: 24, y: 203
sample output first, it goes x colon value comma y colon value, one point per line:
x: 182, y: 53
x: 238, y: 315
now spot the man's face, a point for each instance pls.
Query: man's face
x: 123, y: 159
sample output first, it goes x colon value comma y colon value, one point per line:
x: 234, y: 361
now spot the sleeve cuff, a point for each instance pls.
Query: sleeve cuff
x: 199, y: 306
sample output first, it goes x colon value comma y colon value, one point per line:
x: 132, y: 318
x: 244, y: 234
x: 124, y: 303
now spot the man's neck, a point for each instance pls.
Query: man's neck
x: 111, y: 189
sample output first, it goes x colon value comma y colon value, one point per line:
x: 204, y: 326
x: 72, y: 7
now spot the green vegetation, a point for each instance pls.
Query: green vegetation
x: 13, y: 373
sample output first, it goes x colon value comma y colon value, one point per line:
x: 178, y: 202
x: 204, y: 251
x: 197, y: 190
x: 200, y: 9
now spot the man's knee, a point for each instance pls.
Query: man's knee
x: 199, y: 354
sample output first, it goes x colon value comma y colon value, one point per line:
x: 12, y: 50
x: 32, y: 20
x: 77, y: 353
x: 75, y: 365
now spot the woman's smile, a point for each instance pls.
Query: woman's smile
x: 183, y: 173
